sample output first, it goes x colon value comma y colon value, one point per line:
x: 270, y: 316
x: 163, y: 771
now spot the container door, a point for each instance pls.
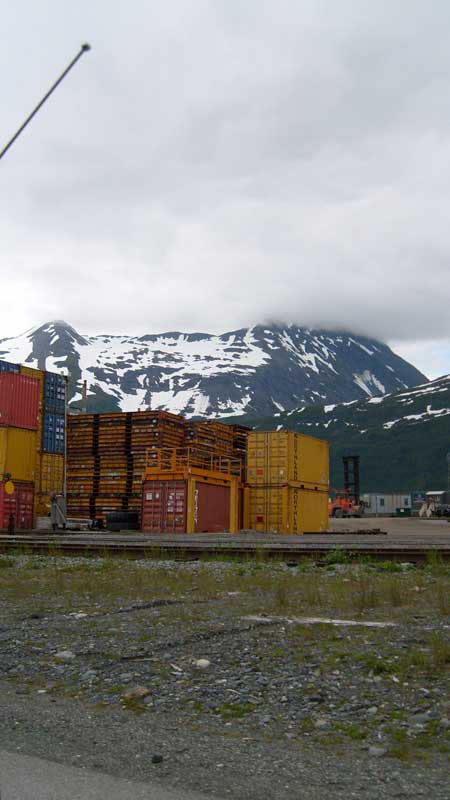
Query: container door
x: 25, y: 502
x: 313, y: 511
x: 175, y: 506
x: 212, y: 508
x: 8, y: 505
x: 164, y: 507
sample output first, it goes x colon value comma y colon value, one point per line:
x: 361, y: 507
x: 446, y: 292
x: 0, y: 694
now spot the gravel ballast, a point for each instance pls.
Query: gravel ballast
x: 241, y: 680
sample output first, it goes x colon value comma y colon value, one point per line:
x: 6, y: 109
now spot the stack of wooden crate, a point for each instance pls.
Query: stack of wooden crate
x: 151, y: 430
x: 210, y: 436
x: 113, y: 465
x: 106, y: 457
x: 240, y: 434
x: 81, y: 465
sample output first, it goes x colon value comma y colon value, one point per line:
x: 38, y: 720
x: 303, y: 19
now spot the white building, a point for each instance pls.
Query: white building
x: 385, y: 503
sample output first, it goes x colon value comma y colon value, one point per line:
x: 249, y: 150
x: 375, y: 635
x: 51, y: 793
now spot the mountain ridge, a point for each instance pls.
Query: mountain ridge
x: 259, y: 370
x: 402, y: 438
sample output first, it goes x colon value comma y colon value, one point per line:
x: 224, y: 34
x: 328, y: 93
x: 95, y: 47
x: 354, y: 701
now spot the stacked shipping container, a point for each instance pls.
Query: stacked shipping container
x: 19, y: 417
x: 40, y: 409
x: 50, y: 441
x: 287, y: 483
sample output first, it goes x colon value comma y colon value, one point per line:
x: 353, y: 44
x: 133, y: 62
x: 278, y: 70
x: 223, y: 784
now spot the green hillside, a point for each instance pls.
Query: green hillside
x: 402, y: 439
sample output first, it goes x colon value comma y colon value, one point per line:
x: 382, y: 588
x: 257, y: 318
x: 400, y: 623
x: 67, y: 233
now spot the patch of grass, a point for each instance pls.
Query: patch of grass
x: 136, y: 706
x: 402, y: 747
x: 388, y: 566
x: 352, y: 730
x: 442, y: 596
x: 364, y: 594
x: 435, y: 563
x: 395, y: 593
x: 229, y: 711
x: 433, y: 658
x: 412, y: 748
x: 306, y: 724
x: 378, y: 666
x: 6, y: 562
x: 336, y: 556
x: 440, y: 651
x: 281, y: 595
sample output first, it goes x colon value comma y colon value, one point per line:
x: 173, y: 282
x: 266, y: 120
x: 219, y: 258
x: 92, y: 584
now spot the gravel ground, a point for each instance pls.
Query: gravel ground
x: 209, y: 676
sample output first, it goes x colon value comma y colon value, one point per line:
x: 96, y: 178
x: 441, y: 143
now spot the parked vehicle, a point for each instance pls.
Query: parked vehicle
x: 342, y: 504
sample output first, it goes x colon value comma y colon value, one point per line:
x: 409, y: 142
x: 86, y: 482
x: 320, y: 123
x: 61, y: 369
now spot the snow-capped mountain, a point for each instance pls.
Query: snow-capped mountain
x: 256, y: 371
x: 402, y: 438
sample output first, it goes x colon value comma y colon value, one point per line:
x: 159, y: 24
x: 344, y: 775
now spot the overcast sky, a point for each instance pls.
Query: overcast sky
x: 212, y: 164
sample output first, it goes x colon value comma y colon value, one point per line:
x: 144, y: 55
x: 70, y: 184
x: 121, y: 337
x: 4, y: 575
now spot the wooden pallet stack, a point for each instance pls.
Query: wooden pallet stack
x: 209, y: 435
x: 218, y: 439
x: 106, y: 457
x: 240, y: 434
x: 80, y: 465
x: 113, y: 464
x: 151, y: 430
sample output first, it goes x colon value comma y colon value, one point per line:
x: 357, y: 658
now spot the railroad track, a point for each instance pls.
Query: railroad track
x: 188, y: 548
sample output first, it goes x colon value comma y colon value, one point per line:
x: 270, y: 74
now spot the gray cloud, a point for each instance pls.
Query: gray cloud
x: 210, y: 165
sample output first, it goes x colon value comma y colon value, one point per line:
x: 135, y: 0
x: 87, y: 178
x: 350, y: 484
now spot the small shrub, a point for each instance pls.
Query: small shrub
x: 389, y: 566
x: 281, y: 595
x: 235, y: 710
x: 336, y: 556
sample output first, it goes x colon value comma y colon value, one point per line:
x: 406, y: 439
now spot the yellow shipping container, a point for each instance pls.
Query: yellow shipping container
x: 285, y: 509
x: 18, y: 453
x: 280, y: 457
x: 49, y: 481
x: 51, y: 477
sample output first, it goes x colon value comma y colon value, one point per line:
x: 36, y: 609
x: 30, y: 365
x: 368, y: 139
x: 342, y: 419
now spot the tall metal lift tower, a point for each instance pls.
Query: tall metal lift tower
x: 351, y: 477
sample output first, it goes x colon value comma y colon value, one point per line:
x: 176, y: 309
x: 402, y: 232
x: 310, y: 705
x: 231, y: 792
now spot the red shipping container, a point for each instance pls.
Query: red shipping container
x: 19, y: 401
x: 19, y: 504
x: 164, y: 507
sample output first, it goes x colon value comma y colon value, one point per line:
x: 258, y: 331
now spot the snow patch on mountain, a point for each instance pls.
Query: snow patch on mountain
x: 253, y: 370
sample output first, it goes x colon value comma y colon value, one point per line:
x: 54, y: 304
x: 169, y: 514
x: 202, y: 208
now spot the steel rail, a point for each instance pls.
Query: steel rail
x: 100, y: 546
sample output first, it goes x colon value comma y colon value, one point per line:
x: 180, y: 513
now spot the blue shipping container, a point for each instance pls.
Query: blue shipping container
x: 7, y: 366
x: 54, y: 393
x: 53, y: 433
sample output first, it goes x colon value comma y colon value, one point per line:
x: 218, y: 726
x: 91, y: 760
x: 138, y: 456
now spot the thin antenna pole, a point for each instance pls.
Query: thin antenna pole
x: 84, y: 49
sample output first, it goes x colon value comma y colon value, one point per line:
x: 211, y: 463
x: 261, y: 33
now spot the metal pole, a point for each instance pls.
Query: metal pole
x: 67, y: 379
x: 84, y: 49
